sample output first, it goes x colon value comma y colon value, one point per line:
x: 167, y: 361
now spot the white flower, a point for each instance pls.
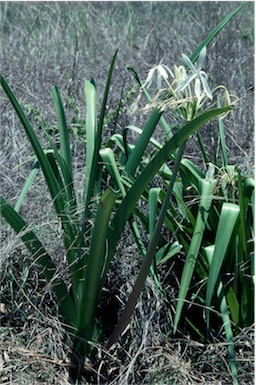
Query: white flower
x: 196, y: 74
x: 162, y: 72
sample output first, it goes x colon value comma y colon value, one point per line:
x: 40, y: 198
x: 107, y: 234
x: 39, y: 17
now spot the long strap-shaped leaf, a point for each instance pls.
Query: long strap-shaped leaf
x: 67, y: 180
x: 91, y: 129
x: 33, y: 173
x: 63, y: 129
x: 214, y: 32
x: 95, y: 158
x: 207, y: 187
x: 136, y: 155
x: 41, y: 257
x: 245, y: 254
x: 89, y: 288
x: 228, y: 219
x: 225, y: 316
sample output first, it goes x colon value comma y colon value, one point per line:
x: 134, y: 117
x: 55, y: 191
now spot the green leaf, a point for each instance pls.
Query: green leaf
x: 224, y: 154
x: 244, y: 255
x: 89, y: 288
x: 166, y: 252
x: 202, y: 148
x: 107, y: 155
x: 67, y: 186
x: 206, y: 192
x: 50, y: 170
x: 225, y: 231
x: 91, y: 131
x: 63, y: 129
x: 190, y: 174
x: 214, y: 33
x: 90, y: 188
x: 136, y: 155
x: 233, y: 304
x: 152, y: 203
x: 26, y: 187
x: 225, y: 314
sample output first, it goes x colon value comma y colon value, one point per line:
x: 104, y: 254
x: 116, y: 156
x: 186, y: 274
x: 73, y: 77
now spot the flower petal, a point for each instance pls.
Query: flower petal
x: 161, y: 70
x: 168, y: 70
x: 148, y: 81
x: 206, y: 88
x: 159, y: 80
x: 188, y: 63
x: 198, y: 88
x: 185, y: 83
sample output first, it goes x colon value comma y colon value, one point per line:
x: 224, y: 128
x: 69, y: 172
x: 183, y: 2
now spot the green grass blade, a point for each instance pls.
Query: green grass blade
x: 137, y: 237
x: 26, y: 187
x: 214, y: 33
x: 99, y: 131
x: 108, y: 158
x: 41, y: 257
x: 69, y: 218
x: 63, y: 129
x: 225, y: 231
x: 183, y: 208
x: 248, y: 192
x: 207, y: 187
x: 139, y: 131
x: 118, y: 140
x: 228, y: 331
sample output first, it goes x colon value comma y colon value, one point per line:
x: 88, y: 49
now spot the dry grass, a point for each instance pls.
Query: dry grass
x: 34, y: 348
x: 65, y: 43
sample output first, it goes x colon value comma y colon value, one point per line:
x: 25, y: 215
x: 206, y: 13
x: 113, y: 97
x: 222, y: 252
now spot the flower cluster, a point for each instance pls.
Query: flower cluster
x: 186, y: 88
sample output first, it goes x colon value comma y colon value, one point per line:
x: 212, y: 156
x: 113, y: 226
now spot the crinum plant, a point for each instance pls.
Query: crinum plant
x: 112, y: 188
